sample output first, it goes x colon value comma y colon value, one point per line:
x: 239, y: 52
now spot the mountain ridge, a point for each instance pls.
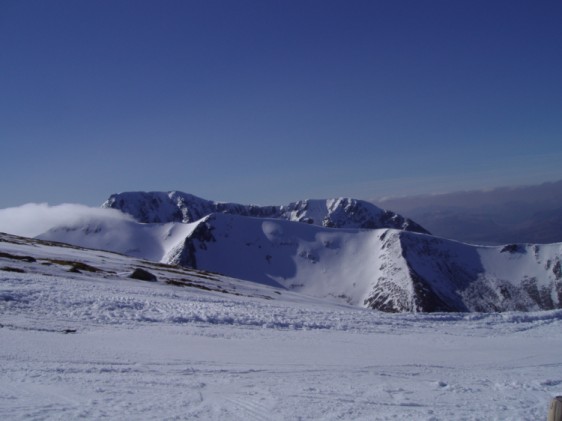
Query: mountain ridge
x: 517, y: 214
x: 176, y: 206
x: 387, y: 269
x: 383, y: 269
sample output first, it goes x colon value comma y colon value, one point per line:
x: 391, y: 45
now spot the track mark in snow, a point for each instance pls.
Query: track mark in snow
x: 252, y: 405
x: 40, y: 400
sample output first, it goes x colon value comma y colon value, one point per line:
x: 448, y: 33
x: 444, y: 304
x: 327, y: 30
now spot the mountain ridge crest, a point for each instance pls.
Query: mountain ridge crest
x: 177, y: 206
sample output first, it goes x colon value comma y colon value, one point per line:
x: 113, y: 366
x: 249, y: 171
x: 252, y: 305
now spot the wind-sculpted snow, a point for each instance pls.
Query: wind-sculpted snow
x: 126, y: 304
x: 161, y: 207
x: 196, y: 345
x: 80, y: 304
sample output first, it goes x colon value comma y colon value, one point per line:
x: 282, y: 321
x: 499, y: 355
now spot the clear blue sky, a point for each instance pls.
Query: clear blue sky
x: 272, y: 101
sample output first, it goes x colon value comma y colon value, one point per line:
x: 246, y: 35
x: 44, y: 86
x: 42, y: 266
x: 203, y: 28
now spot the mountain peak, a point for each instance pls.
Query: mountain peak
x: 176, y: 206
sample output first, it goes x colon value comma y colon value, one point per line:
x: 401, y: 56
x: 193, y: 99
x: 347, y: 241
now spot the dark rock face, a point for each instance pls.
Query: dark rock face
x: 428, y: 274
x: 557, y: 270
x: 513, y: 248
x: 427, y: 300
x: 160, y: 207
x: 187, y: 254
x: 387, y: 296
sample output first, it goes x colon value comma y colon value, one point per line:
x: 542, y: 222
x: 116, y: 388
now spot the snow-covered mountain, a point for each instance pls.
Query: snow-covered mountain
x: 161, y: 207
x: 385, y: 269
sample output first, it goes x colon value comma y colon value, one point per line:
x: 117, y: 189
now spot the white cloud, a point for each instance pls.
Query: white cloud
x: 33, y: 219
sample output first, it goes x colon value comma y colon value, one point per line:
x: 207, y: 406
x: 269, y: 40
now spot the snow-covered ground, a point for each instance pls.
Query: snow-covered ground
x: 149, y: 350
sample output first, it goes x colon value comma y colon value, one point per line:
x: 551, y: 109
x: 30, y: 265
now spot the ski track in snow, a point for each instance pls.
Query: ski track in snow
x: 148, y: 351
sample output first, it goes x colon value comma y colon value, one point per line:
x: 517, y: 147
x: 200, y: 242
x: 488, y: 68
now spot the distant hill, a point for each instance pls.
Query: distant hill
x: 528, y: 214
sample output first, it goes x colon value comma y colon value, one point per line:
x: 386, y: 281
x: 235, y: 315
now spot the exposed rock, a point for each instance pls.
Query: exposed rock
x: 143, y: 275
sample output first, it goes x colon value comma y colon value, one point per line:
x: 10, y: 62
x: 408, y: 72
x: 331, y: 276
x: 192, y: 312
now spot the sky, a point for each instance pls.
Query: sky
x: 268, y: 102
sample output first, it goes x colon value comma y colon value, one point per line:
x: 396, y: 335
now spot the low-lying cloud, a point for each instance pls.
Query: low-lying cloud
x: 33, y: 219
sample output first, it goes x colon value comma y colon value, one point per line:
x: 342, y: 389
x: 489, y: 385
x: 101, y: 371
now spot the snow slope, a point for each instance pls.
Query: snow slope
x: 98, y: 345
x: 147, y: 241
x: 389, y: 270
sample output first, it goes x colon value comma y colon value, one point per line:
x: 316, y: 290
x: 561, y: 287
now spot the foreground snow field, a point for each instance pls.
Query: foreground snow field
x: 147, y: 350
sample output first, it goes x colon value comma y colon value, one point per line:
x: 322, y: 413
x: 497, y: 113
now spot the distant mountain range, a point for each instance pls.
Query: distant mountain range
x: 341, y: 249
x: 525, y: 214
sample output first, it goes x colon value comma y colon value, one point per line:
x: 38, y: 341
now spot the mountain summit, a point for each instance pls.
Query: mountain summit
x: 175, y: 206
